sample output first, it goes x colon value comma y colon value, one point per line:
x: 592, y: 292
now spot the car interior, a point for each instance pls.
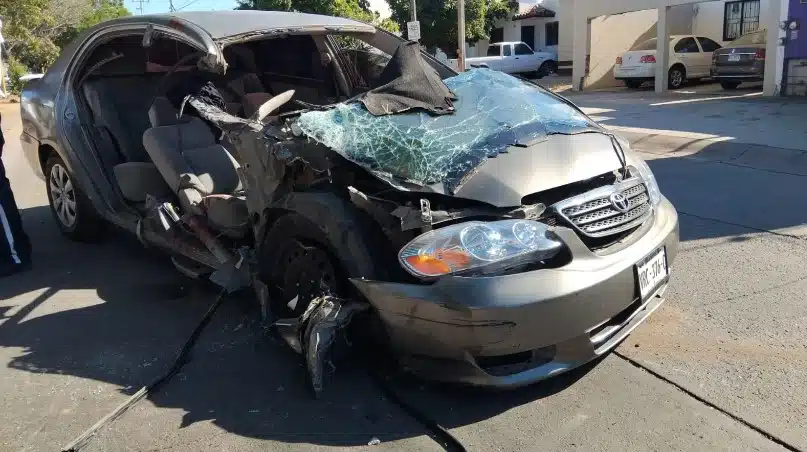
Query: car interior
x: 133, y: 94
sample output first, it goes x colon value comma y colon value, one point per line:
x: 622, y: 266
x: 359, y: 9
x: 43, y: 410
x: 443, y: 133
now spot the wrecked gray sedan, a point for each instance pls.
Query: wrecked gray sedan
x: 483, y: 229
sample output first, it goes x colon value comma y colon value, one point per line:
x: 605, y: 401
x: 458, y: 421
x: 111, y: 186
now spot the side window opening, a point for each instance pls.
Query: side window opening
x: 507, y: 51
x: 362, y: 62
x: 494, y: 50
x: 523, y: 49
x: 687, y: 45
x: 295, y: 62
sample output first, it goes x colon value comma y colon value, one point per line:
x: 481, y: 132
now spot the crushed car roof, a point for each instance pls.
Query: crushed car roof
x: 224, y: 24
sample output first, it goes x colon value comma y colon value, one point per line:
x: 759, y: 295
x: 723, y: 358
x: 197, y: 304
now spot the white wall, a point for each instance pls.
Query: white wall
x: 614, y: 34
x: 709, y: 18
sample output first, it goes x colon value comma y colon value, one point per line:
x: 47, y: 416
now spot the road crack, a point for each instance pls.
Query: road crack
x: 770, y: 436
x: 701, y: 217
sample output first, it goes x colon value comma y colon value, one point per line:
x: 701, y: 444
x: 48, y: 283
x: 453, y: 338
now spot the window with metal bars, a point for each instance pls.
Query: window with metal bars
x: 740, y: 17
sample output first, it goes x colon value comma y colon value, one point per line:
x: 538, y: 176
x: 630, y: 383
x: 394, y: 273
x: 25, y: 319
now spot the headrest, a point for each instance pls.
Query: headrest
x: 162, y: 113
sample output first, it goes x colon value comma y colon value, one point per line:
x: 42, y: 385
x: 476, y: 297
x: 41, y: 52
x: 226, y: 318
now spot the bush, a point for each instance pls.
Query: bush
x: 15, y: 71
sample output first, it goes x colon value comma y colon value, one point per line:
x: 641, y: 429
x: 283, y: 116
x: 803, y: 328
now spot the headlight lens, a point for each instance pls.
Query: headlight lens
x: 649, y: 180
x: 478, y: 246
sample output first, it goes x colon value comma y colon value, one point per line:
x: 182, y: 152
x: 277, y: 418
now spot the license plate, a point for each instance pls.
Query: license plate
x: 734, y: 58
x: 651, y: 272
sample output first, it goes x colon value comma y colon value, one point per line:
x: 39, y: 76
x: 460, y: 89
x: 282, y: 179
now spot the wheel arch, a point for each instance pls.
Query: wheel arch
x: 346, y: 232
x: 680, y: 65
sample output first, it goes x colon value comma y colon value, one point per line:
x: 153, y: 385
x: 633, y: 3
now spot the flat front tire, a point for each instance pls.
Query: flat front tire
x: 73, y: 212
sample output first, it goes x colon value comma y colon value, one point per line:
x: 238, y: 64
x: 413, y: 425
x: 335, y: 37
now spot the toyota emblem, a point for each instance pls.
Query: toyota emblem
x: 620, y: 202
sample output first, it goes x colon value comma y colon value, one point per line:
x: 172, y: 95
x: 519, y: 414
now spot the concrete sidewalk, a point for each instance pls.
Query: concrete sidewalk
x: 741, y: 117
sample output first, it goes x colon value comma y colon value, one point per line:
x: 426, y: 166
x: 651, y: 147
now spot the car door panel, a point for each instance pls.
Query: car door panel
x: 524, y: 59
x: 687, y: 52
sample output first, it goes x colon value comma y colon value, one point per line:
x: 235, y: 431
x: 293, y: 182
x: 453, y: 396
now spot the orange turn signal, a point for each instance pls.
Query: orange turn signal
x: 442, y: 262
x: 428, y: 265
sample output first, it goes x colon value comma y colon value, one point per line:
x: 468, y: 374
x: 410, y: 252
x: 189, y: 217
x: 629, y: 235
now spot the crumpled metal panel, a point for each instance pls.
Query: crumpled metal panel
x: 313, y: 333
x: 495, y: 111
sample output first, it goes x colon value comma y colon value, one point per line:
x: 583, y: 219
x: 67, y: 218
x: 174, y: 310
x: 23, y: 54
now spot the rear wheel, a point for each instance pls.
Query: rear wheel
x: 729, y: 85
x: 71, y: 209
x: 677, y: 77
x: 633, y: 84
x: 547, y: 68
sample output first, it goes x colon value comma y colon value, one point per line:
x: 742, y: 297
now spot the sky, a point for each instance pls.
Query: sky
x: 163, y: 6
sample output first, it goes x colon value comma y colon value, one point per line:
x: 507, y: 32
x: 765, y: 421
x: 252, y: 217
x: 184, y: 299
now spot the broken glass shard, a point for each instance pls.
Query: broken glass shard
x: 494, y: 112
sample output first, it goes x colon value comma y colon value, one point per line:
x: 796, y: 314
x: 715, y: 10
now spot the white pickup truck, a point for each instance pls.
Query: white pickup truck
x: 513, y: 58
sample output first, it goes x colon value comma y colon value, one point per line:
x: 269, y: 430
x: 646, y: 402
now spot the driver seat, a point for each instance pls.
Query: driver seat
x: 202, y: 173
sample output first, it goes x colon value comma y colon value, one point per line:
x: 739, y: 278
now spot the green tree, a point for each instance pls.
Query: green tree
x: 35, y: 30
x: 438, y: 20
x: 353, y: 9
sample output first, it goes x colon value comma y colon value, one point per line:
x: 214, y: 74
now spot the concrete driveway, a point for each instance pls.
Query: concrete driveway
x: 721, y: 366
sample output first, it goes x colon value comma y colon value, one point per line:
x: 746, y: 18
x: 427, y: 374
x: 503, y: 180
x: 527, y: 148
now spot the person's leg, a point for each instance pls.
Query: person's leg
x: 15, y: 247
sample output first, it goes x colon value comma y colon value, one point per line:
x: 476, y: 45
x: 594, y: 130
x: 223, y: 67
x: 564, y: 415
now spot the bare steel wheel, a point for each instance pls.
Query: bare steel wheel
x: 71, y: 209
x: 307, y: 273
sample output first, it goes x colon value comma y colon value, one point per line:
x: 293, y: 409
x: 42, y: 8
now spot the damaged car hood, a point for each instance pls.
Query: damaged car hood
x: 506, y: 139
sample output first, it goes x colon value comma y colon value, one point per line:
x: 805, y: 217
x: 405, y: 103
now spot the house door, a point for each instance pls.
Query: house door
x: 528, y: 35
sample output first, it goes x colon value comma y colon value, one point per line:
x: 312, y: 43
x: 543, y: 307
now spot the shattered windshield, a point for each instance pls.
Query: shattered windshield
x: 494, y: 112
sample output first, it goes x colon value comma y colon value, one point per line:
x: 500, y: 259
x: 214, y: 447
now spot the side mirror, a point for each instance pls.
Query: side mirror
x: 148, y: 36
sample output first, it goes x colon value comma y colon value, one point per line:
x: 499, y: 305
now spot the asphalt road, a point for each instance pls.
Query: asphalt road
x: 721, y: 366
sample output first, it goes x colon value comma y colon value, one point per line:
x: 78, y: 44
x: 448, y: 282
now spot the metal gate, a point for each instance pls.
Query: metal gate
x: 741, y: 17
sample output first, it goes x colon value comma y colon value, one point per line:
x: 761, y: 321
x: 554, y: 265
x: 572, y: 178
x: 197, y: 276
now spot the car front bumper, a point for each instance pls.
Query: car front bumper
x: 514, y: 330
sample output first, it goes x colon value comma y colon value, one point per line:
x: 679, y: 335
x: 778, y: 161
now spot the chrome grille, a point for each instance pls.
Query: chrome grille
x: 593, y: 214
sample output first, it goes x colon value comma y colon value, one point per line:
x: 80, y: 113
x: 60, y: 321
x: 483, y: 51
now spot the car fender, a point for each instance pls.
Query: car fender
x: 344, y: 230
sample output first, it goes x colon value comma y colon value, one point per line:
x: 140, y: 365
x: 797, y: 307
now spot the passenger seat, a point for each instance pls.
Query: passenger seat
x: 202, y: 173
x: 120, y: 116
x: 246, y: 91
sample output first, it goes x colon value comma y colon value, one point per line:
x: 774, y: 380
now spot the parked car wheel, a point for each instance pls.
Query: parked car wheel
x: 547, y: 68
x: 73, y: 212
x: 729, y: 85
x: 633, y: 84
x: 677, y: 77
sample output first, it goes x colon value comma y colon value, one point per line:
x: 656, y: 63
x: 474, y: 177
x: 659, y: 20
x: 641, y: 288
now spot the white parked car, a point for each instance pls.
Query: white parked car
x: 690, y: 59
x: 514, y: 58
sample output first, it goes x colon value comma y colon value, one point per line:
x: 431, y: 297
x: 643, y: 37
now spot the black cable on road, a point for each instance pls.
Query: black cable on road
x: 182, y: 358
x: 437, y: 432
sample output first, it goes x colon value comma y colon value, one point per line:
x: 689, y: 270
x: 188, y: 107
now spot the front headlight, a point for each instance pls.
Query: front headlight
x: 477, y: 246
x: 649, y: 180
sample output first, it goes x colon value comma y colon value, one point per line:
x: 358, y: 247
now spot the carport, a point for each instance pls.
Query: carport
x: 585, y: 10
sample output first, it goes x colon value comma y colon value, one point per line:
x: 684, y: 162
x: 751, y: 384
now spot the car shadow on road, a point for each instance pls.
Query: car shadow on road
x: 730, y: 191
x: 117, y: 313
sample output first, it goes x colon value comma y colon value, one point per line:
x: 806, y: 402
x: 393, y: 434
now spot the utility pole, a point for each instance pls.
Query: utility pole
x: 140, y: 5
x: 171, y: 6
x: 461, y: 35
x: 413, y: 9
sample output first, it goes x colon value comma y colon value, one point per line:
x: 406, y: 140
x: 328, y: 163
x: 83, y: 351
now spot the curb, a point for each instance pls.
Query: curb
x: 720, y: 150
